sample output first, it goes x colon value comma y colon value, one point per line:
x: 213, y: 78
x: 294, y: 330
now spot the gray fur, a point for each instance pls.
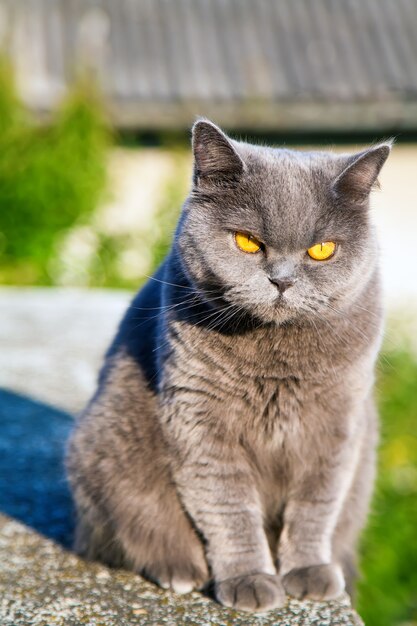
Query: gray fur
x: 232, y: 436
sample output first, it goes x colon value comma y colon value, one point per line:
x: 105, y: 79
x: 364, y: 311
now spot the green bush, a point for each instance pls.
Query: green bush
x: 50, y: 177
x: 388, y: 589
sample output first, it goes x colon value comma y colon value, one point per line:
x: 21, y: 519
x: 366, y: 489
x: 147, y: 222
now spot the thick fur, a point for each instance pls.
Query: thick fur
x: 232, y: 435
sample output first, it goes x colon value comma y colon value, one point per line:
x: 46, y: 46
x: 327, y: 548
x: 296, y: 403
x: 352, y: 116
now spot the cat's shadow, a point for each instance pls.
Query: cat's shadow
x: 33, y: 488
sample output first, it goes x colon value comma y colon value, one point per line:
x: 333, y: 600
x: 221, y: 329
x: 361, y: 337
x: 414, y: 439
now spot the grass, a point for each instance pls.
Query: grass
x: 388, y: 589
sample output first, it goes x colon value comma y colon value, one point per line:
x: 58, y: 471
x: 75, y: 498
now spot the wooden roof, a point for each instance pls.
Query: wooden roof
x: 270, y: 64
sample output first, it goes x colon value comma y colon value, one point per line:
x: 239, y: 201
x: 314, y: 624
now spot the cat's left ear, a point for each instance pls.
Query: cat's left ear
x: 215, y: 158
x: 360, y: 176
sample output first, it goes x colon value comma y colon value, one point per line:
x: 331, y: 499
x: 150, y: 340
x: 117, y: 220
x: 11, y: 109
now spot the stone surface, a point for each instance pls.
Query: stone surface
x: 53, y: 340
x: 42, y: 585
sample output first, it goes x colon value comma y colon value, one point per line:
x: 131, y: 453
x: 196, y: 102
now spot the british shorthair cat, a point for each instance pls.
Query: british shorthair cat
x: 232, y: 435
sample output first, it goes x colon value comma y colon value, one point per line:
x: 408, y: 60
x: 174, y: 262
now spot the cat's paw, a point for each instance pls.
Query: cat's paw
x: 253, y: 592
x: 318, y: 582
x: 180, y: 577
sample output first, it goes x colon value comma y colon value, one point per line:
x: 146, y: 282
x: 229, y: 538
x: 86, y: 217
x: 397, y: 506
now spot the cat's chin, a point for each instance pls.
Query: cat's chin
x: 284, y: 317
x: 283, y: 312
x: 279, y: 315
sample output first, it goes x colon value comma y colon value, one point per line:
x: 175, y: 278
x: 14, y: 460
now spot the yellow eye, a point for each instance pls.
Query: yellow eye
x: 247, y: 243
x: 322, y: 251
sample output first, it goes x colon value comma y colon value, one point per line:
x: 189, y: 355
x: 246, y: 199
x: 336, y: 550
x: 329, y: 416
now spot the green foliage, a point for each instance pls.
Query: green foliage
x: 50, y: 177
x: 11, y: 111
x: 388, y: 590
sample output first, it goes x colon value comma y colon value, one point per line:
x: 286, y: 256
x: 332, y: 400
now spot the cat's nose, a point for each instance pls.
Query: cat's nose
x: 282, y: 284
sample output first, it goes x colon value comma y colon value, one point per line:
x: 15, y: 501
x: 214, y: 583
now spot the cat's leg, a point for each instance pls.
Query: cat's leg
x: 149, y: 536
x: 218, y: 490
x: 307, y: 563
x: 128, y: 507
x: 95, y: 540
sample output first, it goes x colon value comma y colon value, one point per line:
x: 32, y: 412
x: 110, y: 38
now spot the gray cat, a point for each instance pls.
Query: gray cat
x: 232, y: 436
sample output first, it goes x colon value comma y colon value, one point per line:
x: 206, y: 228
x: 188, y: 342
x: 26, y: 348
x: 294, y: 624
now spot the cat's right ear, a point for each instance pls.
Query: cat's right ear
x: 215, y: 158
x: 361, y: 172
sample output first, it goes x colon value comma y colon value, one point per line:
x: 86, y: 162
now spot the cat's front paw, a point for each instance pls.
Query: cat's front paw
x: 253, y: 592
x: 318, y: 582
x: 180, y: 577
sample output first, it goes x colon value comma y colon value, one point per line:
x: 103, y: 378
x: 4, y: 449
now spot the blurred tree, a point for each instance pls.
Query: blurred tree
x: 49, y: 176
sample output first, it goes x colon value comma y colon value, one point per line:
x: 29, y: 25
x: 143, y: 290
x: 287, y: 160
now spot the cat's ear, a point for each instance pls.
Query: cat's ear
x: 361, y: 172
x: 215, y: 158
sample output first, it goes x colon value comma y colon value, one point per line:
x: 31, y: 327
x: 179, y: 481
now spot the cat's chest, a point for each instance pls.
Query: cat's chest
x: 249, y: 383
x: 276, y: 398
x: 268, y: 410
x: 256, y: 358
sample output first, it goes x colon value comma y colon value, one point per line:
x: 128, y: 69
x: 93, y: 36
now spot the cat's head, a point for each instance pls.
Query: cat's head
x: 282, y: 234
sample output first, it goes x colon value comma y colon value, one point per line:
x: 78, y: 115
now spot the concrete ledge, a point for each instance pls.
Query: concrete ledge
x: 43, y: 585
x: 53, y: 341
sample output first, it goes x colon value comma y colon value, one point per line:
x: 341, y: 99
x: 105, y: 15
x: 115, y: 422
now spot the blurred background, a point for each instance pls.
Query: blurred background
x: 96, y: 101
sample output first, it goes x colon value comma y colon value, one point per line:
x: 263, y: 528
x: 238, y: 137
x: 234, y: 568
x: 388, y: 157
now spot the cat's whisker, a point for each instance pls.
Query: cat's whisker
x: 229, y: 317
x: 355, y: 305
x: 325, y: 321
x: 219, y: 314
x: 344, y: 316
x: 165, y: 282
x: 211, y: 326
x: 323, y: 343
x: 189, y: 304
x: 164, y: 307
